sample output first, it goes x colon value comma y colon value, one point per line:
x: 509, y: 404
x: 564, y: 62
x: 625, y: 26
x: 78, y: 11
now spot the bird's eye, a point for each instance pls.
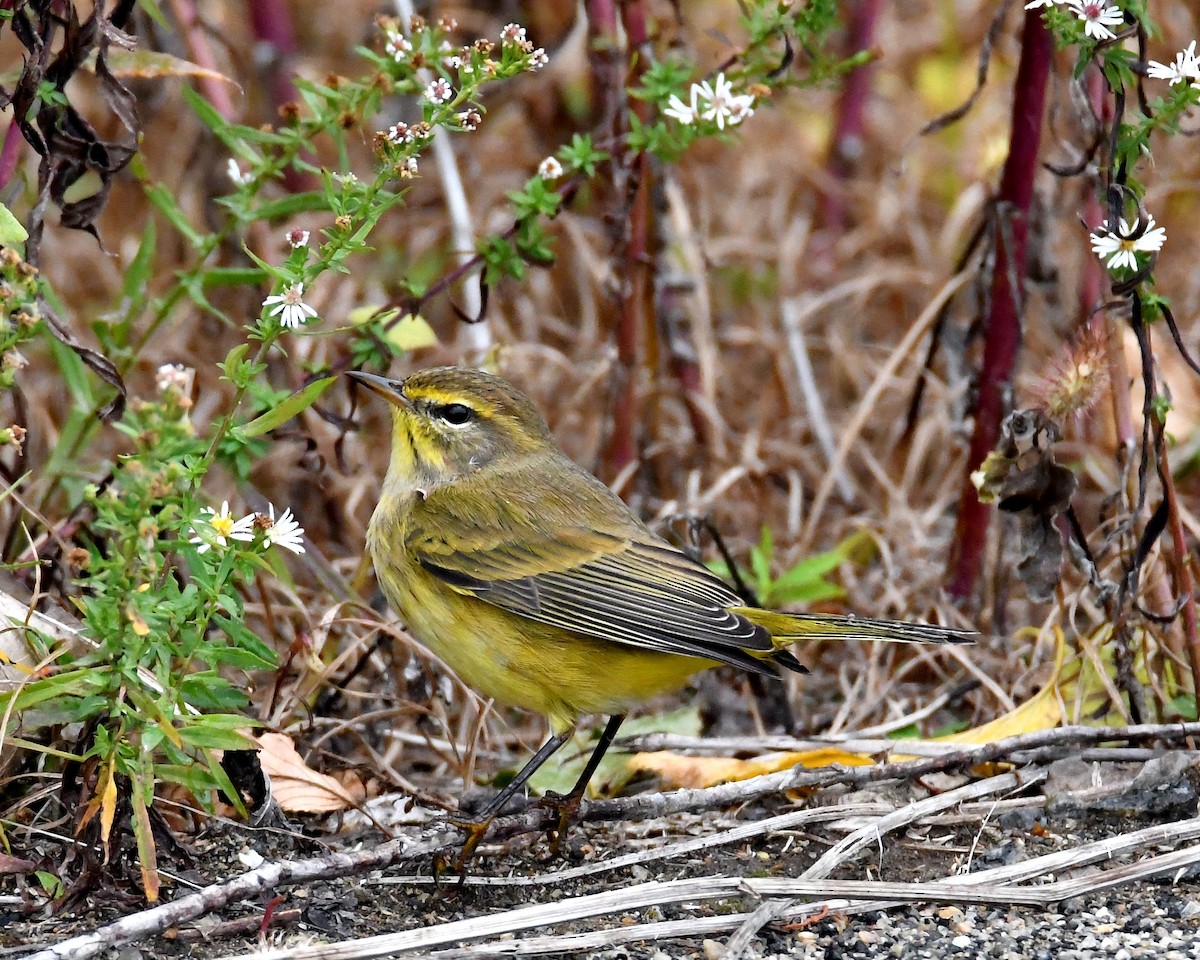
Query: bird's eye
x: 456, y: 414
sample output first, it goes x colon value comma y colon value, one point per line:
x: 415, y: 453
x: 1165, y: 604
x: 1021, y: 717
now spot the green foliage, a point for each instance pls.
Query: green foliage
x: 803, y: 582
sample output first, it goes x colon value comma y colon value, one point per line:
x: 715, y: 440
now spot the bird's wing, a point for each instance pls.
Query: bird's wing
x: 619, y: 583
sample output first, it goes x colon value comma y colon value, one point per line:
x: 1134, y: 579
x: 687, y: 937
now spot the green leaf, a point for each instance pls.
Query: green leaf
x: 11, y: 230
x: 296, y: 403
x: 137, y: 277
x: 51, y: 885
x: 208, y: 691
x: 200, y: 734
x: 164, y: 200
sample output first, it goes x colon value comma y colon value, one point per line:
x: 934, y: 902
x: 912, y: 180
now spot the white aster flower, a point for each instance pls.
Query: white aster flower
x: 220, y: 527
x: 1098, y: 17
x: 1121, y: 248
x: 469, y: 119
x: 550, y: 169
x: 239, y: 176
x: 283, y: 532
x: 400, y: 133
x: 345, y: 178
x: 296, y: 238
x: 174, y: 378
x: 1034, y: 4
x: 538, y: 59
x: 290, y: 307
x: 681, y: 111
x: 439, y: 91
x: 1185, y: 67
x: 512, y: 33
x: 723, y: 104
x: 398, y: 47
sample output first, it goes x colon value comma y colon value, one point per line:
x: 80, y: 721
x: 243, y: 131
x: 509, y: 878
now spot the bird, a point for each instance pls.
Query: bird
x: 540, y: 588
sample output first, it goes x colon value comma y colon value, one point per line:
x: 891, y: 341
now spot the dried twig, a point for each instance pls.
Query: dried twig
x: 660, y: 893
x: 818, y: 420
x: 426, y: 845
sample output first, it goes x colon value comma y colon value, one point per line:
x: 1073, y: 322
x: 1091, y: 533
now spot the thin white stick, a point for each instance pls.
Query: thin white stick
x: 818, y: 419
x: 478, y: 335
x: 746, y: 831
x: 659, y: 893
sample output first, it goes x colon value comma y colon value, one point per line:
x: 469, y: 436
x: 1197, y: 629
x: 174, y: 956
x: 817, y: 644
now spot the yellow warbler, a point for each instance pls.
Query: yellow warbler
x: 538, y: 586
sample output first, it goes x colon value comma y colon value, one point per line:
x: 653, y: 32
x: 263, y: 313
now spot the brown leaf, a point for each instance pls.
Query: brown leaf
x: 296, y: 787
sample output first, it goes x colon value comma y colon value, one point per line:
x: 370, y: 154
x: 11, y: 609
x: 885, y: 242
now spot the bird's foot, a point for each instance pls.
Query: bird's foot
x: 476, y: 829
x: 566, y: 806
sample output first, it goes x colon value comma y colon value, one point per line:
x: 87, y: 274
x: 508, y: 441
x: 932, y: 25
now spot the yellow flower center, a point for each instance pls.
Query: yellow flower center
x: 223, y: 525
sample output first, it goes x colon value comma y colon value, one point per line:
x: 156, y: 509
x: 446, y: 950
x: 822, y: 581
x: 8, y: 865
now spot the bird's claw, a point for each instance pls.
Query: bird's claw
x: 566, y: 806
x: 475, y: 829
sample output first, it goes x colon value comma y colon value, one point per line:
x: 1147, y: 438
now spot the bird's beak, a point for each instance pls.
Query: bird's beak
x: 391, y: 390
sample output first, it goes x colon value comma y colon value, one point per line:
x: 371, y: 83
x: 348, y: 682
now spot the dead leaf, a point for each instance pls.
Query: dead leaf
x: 152, y: 64
x: 677, y: 770
x: 296, y: 787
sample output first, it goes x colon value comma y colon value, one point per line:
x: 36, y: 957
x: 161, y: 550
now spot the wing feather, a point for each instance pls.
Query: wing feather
x: 620, y: 583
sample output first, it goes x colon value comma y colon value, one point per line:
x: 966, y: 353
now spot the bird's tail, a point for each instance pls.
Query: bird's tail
x: 789, y: 627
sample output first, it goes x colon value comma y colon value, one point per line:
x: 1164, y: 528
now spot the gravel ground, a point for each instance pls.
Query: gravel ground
x: 1158, y: 918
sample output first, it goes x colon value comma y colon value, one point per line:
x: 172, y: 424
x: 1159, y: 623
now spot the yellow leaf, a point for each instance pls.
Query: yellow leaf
x: 1042, y: 711
x: 677, y: 770
x: 108, y: 805
x: 144, y: 834
x: 367, y: 314
x: 412, y: 332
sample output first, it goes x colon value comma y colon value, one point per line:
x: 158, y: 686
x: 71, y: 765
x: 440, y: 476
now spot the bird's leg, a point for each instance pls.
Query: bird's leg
x: 477, y: 826
x: 567, y: 806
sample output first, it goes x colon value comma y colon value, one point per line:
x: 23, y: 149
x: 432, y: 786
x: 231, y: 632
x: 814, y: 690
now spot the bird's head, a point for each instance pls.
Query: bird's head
x: 450, y: 421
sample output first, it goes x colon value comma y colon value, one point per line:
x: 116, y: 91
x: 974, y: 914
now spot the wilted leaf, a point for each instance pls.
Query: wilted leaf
x: 144, y: 64
x: 144, y: 834
x: 295, y: 786
x: 677, y: 770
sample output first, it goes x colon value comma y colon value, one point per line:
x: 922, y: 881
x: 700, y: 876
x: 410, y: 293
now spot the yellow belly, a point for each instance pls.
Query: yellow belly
x: 521, y: 662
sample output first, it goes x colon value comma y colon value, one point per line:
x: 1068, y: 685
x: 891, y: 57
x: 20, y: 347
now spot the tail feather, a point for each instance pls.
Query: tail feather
x: 789, y: 627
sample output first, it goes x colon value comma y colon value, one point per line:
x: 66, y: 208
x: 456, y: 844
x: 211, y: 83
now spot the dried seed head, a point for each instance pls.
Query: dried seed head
x: 1078, y: 377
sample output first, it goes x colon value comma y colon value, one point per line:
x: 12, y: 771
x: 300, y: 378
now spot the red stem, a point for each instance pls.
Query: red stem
x: 10, y: 153
x: 272, y: 25
x: 1183, y: 574
x: 847, y: 146
x: 635, y: 317
x: 200, y: 52
x: 1003, y: 332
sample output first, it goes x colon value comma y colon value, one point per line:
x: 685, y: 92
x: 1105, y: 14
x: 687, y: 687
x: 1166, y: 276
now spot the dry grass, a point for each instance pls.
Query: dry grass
x: 742, y: 223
